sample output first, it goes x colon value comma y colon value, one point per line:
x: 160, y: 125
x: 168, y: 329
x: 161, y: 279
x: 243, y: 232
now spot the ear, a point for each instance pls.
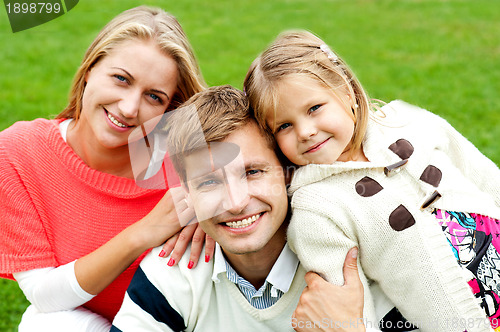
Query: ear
x: 86, y: 76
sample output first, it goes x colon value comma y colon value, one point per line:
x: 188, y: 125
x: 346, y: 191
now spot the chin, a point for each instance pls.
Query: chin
x: 238, y: 250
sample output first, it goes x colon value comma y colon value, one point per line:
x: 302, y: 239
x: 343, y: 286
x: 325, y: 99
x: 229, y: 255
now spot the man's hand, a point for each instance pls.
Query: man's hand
x: 327, y: 307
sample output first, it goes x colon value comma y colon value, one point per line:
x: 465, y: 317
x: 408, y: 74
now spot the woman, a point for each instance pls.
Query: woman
x: 74, y: 223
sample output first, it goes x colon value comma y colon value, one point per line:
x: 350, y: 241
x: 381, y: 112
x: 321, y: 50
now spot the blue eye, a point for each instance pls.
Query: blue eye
x: 253, y: 172
x: 155, y: 97
x: 207, y: 183
x: 283, y: 126
x: 120, y: 78
x: 314, y: 108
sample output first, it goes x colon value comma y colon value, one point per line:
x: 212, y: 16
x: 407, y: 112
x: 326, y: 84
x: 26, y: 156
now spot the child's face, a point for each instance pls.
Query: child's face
x: 312, y: 125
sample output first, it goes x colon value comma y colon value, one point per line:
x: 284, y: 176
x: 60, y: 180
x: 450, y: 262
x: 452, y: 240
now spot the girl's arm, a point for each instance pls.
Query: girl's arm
x: 474, y: 165
x: 321, y: 247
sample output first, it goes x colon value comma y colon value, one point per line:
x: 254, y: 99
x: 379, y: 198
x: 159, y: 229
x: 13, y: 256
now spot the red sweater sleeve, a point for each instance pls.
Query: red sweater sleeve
x: 23, y: 239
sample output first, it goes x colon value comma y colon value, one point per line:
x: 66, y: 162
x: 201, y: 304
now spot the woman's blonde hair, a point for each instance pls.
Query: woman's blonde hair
x: 301, y: 53
x: 143, y: 23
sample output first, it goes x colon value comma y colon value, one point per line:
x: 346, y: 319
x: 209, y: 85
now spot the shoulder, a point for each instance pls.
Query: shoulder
x: 26, y: 134
x: 403, y: 113
x: 329, y: 188
x: 33, y: 127
x: 168, y: 294
x: 171, y: 283
x: 25, y: 142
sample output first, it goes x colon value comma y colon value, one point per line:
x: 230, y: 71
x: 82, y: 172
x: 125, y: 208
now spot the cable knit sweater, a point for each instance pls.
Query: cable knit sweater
x: 403, y: 251
x: 55, y: 209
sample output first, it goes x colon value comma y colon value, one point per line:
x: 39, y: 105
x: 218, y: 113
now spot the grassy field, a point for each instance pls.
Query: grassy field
x: 440, y: 55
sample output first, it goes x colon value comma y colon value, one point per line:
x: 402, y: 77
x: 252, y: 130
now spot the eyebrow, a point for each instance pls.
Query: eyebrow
x: 258, y: 164
x: 133, y: 78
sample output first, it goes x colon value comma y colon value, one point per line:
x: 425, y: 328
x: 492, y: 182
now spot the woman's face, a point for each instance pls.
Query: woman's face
x: 126, y: 88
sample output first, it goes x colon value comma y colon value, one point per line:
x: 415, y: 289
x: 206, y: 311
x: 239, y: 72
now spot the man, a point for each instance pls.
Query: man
x: 237, y: 188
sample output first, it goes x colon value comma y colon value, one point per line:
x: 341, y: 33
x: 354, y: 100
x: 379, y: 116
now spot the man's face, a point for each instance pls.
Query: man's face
x: 245, y: 202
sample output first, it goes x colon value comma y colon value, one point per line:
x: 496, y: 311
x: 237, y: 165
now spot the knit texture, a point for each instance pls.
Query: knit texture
x: 202, y: 304
x: 402, y: 248
x: 55, y: 209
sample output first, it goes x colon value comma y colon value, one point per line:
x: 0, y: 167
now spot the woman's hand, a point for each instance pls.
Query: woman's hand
x: 333, y: 308
x: 178, y: 243
x: 166, y: 219
x: 191, y: 233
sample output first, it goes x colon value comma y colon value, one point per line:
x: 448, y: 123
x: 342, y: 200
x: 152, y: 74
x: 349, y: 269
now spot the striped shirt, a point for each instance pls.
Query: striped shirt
x: 276, y: 284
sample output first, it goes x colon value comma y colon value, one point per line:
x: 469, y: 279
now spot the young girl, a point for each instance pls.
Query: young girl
x: 420, y: 201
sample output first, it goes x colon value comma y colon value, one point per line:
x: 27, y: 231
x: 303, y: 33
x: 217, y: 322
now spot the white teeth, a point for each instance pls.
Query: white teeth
x: 243, y: 223
x: 116, y: 122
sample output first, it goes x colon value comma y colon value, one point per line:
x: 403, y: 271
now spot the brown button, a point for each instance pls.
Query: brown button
x: 400, y: 219
x: 402, y: 148
x: 394, y: 168
x: 367, y: 187
x: 432, y: 175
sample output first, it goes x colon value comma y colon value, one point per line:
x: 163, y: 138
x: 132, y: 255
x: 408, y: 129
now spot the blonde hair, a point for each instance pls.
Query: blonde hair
x: 302, y: 53
x: 142, y: 23
x: 220, y: 110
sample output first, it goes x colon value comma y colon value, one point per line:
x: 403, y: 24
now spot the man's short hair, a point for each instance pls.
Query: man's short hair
x: 220, y: 111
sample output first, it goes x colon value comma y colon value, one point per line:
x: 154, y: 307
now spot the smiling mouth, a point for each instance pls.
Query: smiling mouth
x: 115, y: 121
x: 316, y: 147
x: 244, y: 222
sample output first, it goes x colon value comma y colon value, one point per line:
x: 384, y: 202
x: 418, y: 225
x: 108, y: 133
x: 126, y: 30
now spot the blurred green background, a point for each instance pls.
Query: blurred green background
x: 441, y: 55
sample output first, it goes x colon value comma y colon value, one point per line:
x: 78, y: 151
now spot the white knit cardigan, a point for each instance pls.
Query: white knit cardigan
x: 403, y: 251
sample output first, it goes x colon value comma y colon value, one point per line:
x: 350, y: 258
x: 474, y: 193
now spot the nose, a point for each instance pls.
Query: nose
x: 237, y: 196
x: 306, y: 130
x: 129, y: 104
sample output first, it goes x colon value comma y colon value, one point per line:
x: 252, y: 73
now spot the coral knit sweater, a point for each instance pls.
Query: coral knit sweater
x: 55, y: 209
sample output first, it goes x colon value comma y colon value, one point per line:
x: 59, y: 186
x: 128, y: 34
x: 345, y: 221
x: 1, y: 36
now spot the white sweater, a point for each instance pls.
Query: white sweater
x: 189, y: 300
x: 403, y: 250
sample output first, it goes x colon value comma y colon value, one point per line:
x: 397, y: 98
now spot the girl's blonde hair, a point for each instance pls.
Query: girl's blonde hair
x: 301, y: 53
x: 143, y: 23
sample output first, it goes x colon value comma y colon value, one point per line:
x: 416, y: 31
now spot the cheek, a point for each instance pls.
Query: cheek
x: 271, y: 188
x: 288, y: 145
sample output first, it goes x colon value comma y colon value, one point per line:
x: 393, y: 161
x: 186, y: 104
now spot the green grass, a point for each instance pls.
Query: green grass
x: 440, y: 55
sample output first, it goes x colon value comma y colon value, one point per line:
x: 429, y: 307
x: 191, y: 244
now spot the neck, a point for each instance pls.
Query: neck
x: 348, y: 155
x: 114, y: 161
x: 256, y: 266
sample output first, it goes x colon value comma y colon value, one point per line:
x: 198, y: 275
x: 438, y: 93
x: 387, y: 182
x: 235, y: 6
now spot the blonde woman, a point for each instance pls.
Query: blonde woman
x: 74, y: 223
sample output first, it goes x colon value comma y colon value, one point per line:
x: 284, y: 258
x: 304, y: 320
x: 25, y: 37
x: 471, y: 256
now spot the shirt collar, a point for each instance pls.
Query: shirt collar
x: 281, y: 275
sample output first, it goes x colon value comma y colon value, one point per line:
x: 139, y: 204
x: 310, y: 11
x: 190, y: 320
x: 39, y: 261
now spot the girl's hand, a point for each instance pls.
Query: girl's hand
x: 178, y: 243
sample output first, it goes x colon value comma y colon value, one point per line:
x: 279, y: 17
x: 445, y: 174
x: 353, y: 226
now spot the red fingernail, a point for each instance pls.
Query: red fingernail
x: 162, y: 253
x: 190, y: 264
x: 171, y: 262
x: 207, y: 258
